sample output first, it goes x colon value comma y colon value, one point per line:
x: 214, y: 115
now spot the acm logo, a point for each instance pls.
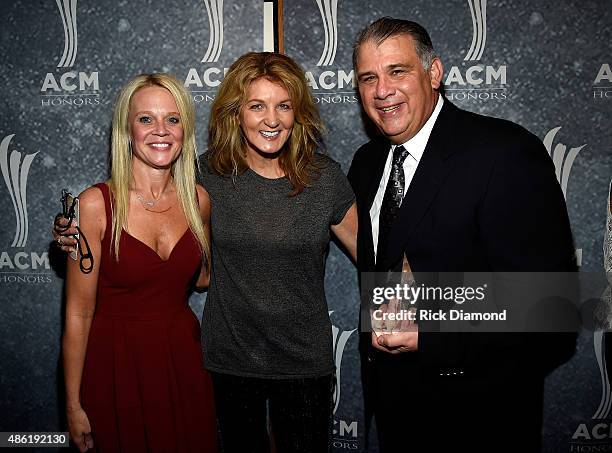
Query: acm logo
x: 590, y: 434
x: 598, y: 431
x: 203, y: 81
x: 602, y: 85
x: 214, y: 8
x: 71, y: 87
x: 15, y: 264
x: 329, y: 15
x: 344, y: 432
x: 564, y: 159
x: 331, y: 85
x: 203, y: 84
x: 475, y: 80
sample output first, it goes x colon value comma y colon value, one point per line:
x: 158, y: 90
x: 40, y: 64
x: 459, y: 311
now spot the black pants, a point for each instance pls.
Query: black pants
x: 300, y: 413
x: 487, y: 410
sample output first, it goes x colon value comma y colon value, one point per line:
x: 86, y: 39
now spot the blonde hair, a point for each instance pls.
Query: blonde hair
x: 227, y: 144
x: 183, y: 170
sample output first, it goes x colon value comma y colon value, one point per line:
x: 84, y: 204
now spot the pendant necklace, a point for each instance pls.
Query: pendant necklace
x: 149, y: 204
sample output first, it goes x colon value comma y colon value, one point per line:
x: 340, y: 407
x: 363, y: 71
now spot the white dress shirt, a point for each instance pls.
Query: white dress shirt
x: 415, y: 147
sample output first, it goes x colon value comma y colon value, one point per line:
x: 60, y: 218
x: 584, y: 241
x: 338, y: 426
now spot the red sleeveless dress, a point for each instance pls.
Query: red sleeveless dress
x: 144, y: 387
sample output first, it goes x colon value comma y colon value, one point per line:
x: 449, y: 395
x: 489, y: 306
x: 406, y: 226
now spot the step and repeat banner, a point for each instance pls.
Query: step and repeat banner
x: 545, y: 65
x: 63, y: 64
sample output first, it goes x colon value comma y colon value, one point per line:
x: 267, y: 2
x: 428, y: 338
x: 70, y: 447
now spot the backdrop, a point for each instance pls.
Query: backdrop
x: 544, y: 65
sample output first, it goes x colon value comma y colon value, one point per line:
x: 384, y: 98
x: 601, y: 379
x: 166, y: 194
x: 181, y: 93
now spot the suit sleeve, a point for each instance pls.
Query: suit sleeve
x: 523, y: 218
x: 524, y: 228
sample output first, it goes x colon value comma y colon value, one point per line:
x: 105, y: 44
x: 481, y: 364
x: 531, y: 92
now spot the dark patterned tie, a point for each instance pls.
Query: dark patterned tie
x: 394, y: 193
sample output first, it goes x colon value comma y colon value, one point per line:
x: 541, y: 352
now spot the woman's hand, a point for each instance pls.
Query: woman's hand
x: 62, y: 235
x: 80, y: 429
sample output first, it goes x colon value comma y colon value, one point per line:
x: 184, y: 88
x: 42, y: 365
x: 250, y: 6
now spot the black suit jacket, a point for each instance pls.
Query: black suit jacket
x: 484, y: 198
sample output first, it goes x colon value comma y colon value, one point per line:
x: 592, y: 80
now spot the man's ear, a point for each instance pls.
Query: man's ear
x: 436, y: 70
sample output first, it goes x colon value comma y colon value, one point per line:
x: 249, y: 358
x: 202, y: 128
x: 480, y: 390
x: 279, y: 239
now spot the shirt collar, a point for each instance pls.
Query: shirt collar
x: 416, y: 145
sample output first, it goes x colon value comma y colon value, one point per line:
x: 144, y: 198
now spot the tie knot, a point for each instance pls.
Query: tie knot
x: 399, y: 155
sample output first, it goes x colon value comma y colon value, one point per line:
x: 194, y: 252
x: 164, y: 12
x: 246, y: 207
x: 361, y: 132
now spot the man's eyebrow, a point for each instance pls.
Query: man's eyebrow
x: 361, y: 74
x: 399, y: 66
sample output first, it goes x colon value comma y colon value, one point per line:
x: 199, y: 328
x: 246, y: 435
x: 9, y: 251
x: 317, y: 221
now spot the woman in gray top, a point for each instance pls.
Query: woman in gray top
x: 266, y: 332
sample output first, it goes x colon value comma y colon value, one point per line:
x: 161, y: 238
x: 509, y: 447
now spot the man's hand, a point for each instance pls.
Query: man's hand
x: 397, y: 342
x: 62, y: 236
x: 394, y: 336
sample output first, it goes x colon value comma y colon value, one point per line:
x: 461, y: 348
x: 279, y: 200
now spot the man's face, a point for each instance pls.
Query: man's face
x: 396, y: 92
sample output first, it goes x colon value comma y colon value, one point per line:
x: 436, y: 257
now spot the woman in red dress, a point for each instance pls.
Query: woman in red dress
x: 132, y: 360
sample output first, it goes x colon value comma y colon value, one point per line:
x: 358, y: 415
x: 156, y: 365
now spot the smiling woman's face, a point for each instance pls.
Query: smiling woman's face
x: 156, y: 128
x: 266, y: 117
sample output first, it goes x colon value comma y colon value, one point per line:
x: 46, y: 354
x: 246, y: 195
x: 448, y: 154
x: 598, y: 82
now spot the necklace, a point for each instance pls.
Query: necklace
x: 148, y: 204
x: 145, y: 203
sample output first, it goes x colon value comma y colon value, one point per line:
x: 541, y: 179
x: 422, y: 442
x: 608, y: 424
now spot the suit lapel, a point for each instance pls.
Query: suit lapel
x: 433, y: 169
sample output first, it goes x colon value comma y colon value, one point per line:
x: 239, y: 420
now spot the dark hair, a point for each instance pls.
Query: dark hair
x: 387, y: 27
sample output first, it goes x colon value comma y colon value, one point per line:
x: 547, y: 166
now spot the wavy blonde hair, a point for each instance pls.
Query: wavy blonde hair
x: 183, y: 169
x: 226, y: 141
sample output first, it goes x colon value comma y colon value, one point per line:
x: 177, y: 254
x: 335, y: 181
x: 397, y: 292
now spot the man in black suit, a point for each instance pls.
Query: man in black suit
x: 453, y: 191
